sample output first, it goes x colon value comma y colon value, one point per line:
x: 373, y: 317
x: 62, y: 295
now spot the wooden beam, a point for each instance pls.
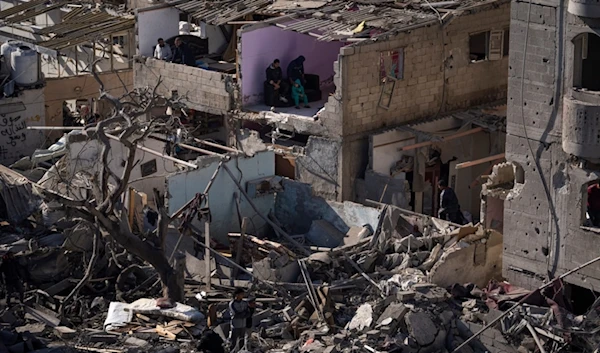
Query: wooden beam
x: 444, y: 139
x: 480, y: 161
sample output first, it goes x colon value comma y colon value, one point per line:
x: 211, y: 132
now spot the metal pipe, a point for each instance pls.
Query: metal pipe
x: 212, y: 144
x: 158, y: 154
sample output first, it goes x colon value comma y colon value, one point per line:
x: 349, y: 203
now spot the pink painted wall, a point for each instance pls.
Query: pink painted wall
x: 261, y: 46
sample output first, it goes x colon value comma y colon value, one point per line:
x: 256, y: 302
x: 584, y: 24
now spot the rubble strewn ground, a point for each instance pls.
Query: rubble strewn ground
x: 371, y: 293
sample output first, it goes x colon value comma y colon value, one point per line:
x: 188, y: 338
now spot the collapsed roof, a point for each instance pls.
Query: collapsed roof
x: 333, y: 20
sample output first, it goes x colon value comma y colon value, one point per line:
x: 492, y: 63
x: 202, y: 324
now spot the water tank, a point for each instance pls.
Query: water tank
x: 25, y: 66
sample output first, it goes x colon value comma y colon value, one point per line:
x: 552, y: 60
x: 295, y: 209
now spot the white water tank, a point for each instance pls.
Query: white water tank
x: 25, y: 66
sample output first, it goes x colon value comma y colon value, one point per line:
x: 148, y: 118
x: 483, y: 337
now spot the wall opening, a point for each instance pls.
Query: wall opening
x: 262, y: 46
x: 519, y: 173
x: 586, y: 62
x: 581, y: 299
x: 490, y: 45
x: 478, y: 44
x: 591, y: 203
x: 391, y: 64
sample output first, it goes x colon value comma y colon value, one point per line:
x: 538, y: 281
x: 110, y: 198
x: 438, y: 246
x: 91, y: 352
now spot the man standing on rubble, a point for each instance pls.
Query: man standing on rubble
x: 10, y: 276
x: 240, y: 311
x: 449, y: 207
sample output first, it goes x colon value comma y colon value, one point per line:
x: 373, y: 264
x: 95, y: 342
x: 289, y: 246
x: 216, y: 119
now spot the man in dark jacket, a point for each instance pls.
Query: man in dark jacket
x: 10, y: 276
x: 295, y: 70
x: 183, y: 53
x: 275, y: 79
x: 449, y: 207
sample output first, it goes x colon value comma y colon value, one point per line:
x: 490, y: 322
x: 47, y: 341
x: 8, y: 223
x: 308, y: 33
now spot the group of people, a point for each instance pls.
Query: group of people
x: 295, y: 80
x: 181, y: 55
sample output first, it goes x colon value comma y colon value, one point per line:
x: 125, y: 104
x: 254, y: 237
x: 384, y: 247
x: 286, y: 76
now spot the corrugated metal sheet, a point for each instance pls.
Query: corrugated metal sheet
x: 20, y: 8
x: 220, y: 12
x: 83, y: 26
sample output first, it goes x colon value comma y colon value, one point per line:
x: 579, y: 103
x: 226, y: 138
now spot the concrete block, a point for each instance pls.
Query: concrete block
x: 347, y: 51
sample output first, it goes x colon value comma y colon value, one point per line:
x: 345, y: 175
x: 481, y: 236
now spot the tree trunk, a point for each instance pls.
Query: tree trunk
x: 172, y: 287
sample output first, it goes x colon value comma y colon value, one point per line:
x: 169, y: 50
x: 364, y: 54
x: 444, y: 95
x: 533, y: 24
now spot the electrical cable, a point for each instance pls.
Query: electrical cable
x: 550, y: 241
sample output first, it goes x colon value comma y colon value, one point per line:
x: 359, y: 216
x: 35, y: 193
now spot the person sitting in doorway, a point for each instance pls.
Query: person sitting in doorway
x: 593, y: 203
x: 295, y: 70
x: 449, y: 207
x: 298, y: 93
x: 162, y: 51
x: 183, y: 53
x: 275, y: 79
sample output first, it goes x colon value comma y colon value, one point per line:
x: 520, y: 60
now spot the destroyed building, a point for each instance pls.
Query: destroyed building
x: 384, y: 77
x: 552, y: 144
x: 69, y: 39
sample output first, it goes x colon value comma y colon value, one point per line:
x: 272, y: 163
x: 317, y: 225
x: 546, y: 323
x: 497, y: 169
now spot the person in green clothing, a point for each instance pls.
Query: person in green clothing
x: 298, y: 93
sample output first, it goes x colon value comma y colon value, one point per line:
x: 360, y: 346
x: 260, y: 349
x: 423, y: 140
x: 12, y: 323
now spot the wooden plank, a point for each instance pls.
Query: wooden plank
x: 448, y: 138
x: 480, y: 161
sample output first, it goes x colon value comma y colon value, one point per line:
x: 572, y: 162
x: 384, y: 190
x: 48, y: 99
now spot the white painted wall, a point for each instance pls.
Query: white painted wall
x: 183, y: 186
x: 217, y: 42
x: 85, y: 156
x: 15, y: 140
x: 154, y: 24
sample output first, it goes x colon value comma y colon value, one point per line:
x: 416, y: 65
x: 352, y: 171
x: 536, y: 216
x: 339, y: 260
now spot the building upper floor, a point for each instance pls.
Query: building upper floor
x: 364, y: 67
x: 71, y: 37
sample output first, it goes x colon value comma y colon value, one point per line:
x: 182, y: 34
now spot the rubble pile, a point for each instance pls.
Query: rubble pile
x: 412, y: 284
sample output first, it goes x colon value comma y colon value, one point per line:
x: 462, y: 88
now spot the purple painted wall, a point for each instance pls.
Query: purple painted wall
x: 260, y: 47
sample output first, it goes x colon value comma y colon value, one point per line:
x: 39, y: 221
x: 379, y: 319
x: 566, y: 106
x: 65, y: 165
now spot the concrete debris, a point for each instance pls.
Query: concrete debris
x: 412, y: 284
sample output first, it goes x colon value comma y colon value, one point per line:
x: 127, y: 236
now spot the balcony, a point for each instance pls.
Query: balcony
x: 584, y: 8
x: 581, y: 124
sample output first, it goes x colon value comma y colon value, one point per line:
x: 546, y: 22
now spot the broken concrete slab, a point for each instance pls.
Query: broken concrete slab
x: 64, y: 332
x: 324, y: 234
x: 421, y: 328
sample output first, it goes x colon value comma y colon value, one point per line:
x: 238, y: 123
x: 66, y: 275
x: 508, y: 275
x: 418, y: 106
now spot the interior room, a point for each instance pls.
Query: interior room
x: 212, y: 46
x: 412, y: 160
x: 262, y: 45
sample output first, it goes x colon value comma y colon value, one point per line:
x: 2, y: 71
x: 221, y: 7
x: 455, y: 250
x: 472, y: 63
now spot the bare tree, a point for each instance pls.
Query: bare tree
x: 129, y: 125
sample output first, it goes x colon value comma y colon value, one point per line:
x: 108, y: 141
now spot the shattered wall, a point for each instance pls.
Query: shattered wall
x: 432, y: 55
x: 59, y: 90
x: 296, y: 207
x: 261, y: 45
x: 543, y: 218
x: 319, y: 166
x: 206, y: 91
x: 85, y: 156
x: 222, y: 195
x: 16, y: 114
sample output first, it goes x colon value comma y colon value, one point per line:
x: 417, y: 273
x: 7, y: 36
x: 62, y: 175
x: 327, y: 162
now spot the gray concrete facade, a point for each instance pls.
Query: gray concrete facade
x: 549, y: 136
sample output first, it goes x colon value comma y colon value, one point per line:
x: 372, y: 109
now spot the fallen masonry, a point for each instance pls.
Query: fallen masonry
x: 92, y: 263
x: 375, y: 295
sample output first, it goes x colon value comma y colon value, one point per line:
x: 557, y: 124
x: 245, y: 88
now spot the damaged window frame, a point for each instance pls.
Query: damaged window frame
x: 496, y: 45
x: 398, y: 73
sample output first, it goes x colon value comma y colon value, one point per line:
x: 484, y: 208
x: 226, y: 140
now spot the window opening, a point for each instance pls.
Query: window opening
x: 586, y: 62
x: 391, y: 64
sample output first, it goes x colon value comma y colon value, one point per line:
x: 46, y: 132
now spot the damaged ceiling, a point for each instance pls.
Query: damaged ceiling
x: 332, y: 20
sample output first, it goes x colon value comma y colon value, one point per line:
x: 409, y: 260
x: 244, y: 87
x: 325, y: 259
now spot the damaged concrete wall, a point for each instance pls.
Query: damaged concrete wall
x: 206, y: 91
x: 16, y: 114
x: 222, y: 201
x: 84, y: 156
x: 59, y: 90
x: 543, y: 217
x: 422, y: 92
x: 319, y: 166
x: 296, y: 208
x: 478, y: 262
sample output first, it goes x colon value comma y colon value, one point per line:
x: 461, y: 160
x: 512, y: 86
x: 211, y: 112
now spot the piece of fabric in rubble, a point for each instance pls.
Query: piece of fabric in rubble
x: 18, y: 199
